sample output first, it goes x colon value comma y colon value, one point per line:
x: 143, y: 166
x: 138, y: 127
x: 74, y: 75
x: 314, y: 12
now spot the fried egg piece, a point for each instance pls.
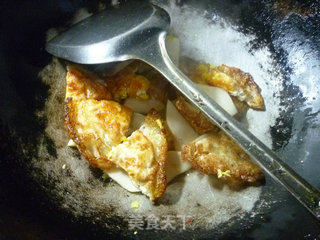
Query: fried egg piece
x: 194, y: 116
x: 96, y: 126
x: 139, y: 81
x: 241, y: 106
x: 154, y: 129
x: 118, y: 174
x: 217, y: 153
x: 143, y: 156
x: 236, y: 82
x: 158, y: 89
x: 138, y: 158
x: 82, y: 84
x: 174, y: 167
x: 128, y: 84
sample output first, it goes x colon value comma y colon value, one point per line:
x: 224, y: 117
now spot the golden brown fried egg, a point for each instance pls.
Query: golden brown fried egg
x: 99, y: 126
x: 137, y: 156
x: 218, y: 154
x: 82, y: 85
x: 93, y: 122
x: 128, y: 84
x: 143, y: 156
x: 154, y: 129
x: 236, y: 82
x: 96, y: 126
x: 193, y: 115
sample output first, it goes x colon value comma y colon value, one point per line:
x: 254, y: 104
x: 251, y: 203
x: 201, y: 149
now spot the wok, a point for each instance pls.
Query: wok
x: 35, y: 205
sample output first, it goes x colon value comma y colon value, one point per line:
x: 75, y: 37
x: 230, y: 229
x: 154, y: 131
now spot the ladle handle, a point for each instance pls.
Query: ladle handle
x: 306, y: 194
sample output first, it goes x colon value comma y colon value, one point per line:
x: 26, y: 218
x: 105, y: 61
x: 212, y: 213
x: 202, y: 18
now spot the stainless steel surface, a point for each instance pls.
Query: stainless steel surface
x: 111, y: 35
x: 123, y: 34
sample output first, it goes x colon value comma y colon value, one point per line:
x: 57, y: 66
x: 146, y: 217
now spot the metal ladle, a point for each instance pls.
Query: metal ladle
x: 138, y: 31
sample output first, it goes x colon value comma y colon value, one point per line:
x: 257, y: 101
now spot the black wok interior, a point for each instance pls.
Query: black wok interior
x: 29, y: 211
